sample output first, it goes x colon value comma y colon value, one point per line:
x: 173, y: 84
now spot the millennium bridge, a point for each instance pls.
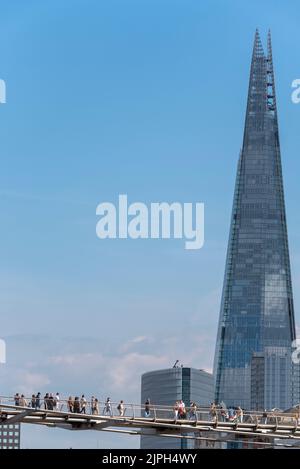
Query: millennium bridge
x: 263, y: 428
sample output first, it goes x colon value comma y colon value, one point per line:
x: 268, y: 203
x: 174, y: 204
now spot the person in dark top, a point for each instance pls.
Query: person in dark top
x: 17, y: 399
x: 33, y: 401
x: 264, y: 419
x: 50, y: 402
x: 38, y: 401
x: 147, y: 408
x: 77, y: 405
x: 46, y: 399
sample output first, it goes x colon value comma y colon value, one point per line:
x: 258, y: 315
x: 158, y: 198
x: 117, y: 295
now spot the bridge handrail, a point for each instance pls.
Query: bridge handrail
x: 162, y: 411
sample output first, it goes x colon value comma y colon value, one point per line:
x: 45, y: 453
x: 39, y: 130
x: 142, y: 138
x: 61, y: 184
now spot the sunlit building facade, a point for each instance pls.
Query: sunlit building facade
x: 165, y: 387
x: 253, y: 365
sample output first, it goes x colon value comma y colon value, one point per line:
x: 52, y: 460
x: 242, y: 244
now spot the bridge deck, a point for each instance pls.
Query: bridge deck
x: 280, y: 425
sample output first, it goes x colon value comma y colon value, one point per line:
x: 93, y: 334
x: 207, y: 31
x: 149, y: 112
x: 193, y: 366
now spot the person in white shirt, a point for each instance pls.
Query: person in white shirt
x: 56, y: 402
x: 83, y: 404
x: 181, y: 409
x: 107, y: 407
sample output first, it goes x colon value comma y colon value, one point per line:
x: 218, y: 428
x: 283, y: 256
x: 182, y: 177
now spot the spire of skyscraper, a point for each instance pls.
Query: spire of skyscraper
x: 253, y: 352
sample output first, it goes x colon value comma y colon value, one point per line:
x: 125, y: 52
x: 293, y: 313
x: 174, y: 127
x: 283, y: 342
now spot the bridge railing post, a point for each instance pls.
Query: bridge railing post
x: 133, y: 413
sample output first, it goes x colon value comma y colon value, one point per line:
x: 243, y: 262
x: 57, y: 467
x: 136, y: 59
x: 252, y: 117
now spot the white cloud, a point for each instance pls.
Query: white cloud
x: 133, y: 342
x: 84, y: 365
x: 28, y: 382
x: 77, y: 360
x: 125, y: 371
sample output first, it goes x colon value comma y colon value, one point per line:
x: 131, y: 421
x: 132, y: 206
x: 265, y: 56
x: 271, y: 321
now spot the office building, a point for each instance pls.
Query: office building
x: 253, y: 366
x: 165, y: 387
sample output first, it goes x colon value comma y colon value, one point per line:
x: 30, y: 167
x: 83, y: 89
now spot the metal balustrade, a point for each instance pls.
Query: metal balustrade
x: 161, y: 421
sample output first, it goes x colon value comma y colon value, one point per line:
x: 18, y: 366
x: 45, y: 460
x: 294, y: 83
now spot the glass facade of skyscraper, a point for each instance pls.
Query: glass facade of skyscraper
x: 253, y: 366
x: 164, y: 388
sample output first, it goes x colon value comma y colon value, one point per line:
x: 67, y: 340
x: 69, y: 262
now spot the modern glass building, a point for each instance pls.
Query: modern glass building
x: 10, y: 436
x: 165, y: 387
x: 253, y: 366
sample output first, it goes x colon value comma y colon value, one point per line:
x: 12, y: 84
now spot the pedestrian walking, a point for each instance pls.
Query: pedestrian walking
x: 51, y: 402
x: 83, y: 404
x: 121, y: 408
x: 17, y: 399
x: 231, y: 414
x: 38, y: 401
x: 240, y: 414
x: 46, y: 399
x: 193, y: 411
x: 76, y: 408
x: 107, y: 407
x: 56, y: 402
x: 33, y: 401
x: 224, y: 415
x: 176, y: 410
x: 264, y: 419
x: 70, y: 404
x: 181, y: 409
x: 147, y: 408
x: 96, y: 407
x: 23, y: 402
x: 92, y: 404
x: 213, y: 411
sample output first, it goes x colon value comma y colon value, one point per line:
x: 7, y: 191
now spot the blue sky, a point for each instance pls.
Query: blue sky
x: 146, y: 98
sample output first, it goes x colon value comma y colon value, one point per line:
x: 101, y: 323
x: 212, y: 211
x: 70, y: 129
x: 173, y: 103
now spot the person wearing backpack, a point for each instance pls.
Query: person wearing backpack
x: 121, y: 408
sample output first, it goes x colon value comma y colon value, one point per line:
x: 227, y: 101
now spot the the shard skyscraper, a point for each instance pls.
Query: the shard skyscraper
x: 253, y: 366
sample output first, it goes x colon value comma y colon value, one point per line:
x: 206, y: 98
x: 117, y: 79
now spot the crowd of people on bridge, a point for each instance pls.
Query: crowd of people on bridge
x: 80, y: 405
x: 232, y: 414
x: 215, y: 412
x: 74, y: 404
x: 48, y: 402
